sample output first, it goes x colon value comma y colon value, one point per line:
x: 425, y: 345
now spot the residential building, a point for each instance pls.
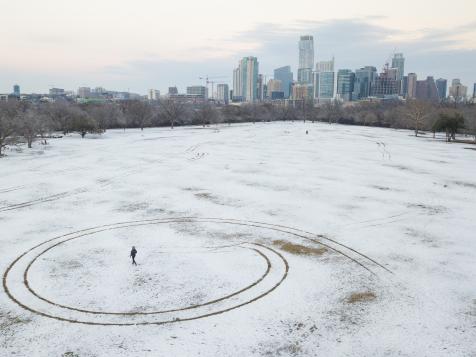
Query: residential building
x: 284, y: 75
x: 324, y: 81
x: 223, y: 93
x: 275, y: 89
x: 261, y: 88
x: 245, y: 80
x: 345, y: 84
x: 198, y: 91
x: 84, y: 92
x: 458, y: 91
x: 302, y: 91
x: 441, y: 86
x: 426, y: 90
x: 306, y: 59
x: 363, y: 82
x: 154, y: 94
x: 412, y: 85
x: 398, y: 62
x: 237, y: 85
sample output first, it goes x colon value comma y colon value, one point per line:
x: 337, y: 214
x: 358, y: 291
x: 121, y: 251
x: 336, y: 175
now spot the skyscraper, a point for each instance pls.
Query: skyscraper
x: 441, y: 86
x: 284, y: 75
x: 458, y: 91
x: 398, y: 61
x: 426, y: 90
x: 363, y: 83
x: 412, y: 85
x: 237, y: 85
x: 474, y: 91
x: 245, y: 80
x: 386, y: 84
x: 222, y: 93
x: 324, y: 79
x: 345, y: 84
x: 306, y: 59
x: 16, y: 90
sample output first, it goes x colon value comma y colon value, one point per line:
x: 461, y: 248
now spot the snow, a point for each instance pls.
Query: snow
x: 209, y: 210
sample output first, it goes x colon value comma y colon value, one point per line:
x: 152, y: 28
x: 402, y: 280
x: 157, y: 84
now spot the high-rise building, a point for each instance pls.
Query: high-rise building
x: 405, y: 86
x: 474, y: 90
x: 398, y: 61
x: 284, y: 75
x: 261, y: 88
x: 198, y: 91
x: 223, y: 93
x: 56, y: 92
x: 306, y: 59
x: 441, y: 86
x: 16, y: 90
x: 154, y: 94
x: 364, y: 81
x: 426, y: 90
x: 324, y: 80
x: 387, y: 83
x: 345, y: 84
x: 458, y: 91
x: 245, y: 80
x: 411, y: 85
x: 275, y: 89
x: 84, y: 92
x: 237, y: 85
x: 302, y: 91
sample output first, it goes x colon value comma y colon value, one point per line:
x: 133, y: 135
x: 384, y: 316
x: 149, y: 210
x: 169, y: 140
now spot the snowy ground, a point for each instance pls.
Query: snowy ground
x: 253, y: 240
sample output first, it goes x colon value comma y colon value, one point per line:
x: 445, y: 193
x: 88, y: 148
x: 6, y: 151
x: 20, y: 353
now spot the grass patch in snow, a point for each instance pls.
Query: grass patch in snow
x: 361, y: 297
x: 298, y: 249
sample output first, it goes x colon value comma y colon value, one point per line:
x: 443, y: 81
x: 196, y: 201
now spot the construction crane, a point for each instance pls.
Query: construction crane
x: 209, y: 80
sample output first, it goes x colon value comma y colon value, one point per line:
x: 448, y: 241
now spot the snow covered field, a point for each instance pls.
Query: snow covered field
x: 253, y: 240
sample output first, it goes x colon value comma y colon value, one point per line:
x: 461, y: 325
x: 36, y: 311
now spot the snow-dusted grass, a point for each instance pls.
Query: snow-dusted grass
x: 407, y: 203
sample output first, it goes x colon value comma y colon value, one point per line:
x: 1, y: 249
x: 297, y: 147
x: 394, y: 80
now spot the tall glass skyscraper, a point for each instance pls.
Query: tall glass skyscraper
x: 284, y: 75
x: 441, y: 86
x: 245, y: 80
x: 398, y: 61
x: 345, y: 84
x: 324, y: 80
x: 306, y: 59
x: 364, y: 79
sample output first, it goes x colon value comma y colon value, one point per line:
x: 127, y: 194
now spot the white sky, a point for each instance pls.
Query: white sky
x: 55, y: 38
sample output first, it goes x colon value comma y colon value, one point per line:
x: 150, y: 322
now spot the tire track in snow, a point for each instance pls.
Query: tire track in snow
x: 93, y: 230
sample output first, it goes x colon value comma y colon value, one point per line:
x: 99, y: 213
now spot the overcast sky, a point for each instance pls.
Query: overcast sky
x: 144, y: 44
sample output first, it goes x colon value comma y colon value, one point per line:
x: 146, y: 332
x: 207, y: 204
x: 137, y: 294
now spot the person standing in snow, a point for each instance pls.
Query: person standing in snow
x: 133, y: 255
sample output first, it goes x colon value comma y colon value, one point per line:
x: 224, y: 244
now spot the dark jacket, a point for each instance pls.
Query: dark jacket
x: 133, y: 252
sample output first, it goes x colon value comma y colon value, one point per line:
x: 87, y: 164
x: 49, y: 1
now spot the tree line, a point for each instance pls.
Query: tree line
x: 24, y: 122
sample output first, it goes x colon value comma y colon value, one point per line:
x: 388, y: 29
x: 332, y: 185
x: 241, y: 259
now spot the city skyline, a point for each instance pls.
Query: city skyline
x: 90, y: 49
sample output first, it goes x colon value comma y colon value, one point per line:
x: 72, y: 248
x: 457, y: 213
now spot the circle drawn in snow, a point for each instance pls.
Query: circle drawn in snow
x: 16, y: 284
x: 25, y: 296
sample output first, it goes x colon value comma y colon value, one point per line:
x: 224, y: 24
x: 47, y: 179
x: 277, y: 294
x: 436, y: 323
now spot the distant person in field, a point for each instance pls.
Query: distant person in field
x: 133, y: 255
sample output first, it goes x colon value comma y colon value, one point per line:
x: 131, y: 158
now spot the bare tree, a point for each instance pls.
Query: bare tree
x: 417, y: 111
x: 171, y: 111
x: 205, y: 114
x: 32, y: 123
x: 139, y: 113
x: 84, y: 123
x: 8, y: 114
